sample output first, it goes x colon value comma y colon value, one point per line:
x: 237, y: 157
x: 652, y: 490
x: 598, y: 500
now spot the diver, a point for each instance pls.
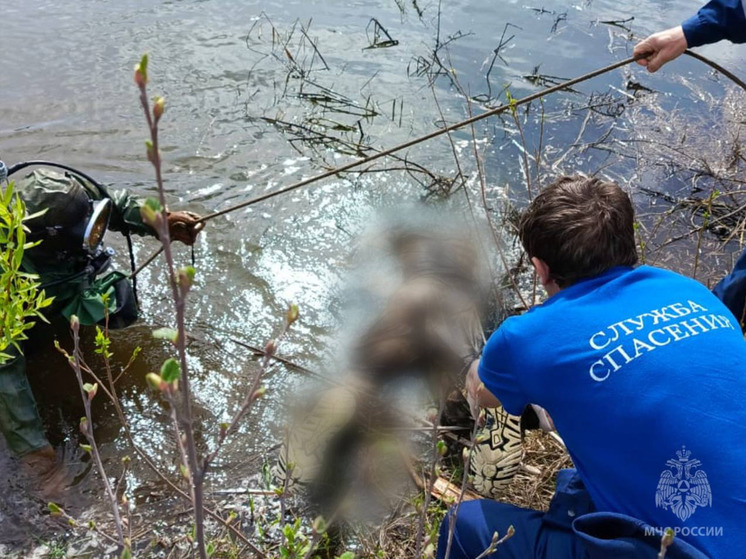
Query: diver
x: 73, y: 267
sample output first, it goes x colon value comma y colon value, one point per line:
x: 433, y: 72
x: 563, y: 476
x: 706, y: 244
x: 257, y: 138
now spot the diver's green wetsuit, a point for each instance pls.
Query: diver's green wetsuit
x: 68, y: 275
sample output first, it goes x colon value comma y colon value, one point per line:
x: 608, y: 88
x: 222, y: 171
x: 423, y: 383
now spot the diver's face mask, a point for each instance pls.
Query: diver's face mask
x: 93, y: 236
x: 98, y: 223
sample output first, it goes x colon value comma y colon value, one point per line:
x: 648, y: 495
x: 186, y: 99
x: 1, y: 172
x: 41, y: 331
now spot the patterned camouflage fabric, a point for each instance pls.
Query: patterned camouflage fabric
x: 67, y: 200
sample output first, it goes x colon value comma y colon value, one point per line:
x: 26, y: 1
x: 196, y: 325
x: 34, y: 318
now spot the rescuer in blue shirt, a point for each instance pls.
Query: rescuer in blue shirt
x: 641, y: 370
x: 626, y: 360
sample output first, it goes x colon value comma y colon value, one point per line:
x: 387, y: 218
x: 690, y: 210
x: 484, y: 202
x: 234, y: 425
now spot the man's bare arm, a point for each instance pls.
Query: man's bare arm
x: 476, y: 392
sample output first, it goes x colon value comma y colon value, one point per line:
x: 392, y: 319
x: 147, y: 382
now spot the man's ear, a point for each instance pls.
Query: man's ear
x: 542, y: 270
x: 545, y: 276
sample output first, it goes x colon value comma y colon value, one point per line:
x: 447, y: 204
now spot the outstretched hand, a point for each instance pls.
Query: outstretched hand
x: 183, y: 226
x: 661, y: 47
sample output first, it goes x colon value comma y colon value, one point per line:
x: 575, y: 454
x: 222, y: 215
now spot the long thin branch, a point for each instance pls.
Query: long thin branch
x: 88, y: 432
x: 178, y: 293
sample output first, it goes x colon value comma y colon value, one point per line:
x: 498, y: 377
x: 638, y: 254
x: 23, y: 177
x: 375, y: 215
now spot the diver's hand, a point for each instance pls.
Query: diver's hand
x: 661, y: 47
x: 183, y: 226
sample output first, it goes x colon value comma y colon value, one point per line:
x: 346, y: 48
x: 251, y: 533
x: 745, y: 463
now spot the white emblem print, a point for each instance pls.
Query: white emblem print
x: 681, y: 489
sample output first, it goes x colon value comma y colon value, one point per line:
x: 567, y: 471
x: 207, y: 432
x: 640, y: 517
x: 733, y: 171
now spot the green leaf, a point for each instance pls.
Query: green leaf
x: 153, y: 203
x: 20, y: 299
x: 87, y: 448
x: 54, y: 509
x: 144, y: 65
x: 170, y: 371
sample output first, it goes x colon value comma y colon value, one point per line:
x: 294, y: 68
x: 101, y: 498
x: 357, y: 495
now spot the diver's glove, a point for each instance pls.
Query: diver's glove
x: 184, y: 226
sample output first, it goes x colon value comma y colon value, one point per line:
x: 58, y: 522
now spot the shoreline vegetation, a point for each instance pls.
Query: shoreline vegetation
x: 695, y: 233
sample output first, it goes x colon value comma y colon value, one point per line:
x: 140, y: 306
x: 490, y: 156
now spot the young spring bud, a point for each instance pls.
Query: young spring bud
x: 184, y: 471
x: 141, y: 72
x: 166, y: 334
x: 319, y: 525
x: 84, y: 426
x: 54, y: 509
x: 87, y: 448
x: 150, y: 150
x: 258, y: 393
x: 442, y: 448
x: 292, y: 314
x: 270, y: 348
x: 139, y: 78
x: 150, y: 212
x: 159, y: 104
x: 666, y: 541
x: 90, y: 390
x: 511, y: 532
x: 185, y: 278
x: 74, y: 323
x: 155, y: 381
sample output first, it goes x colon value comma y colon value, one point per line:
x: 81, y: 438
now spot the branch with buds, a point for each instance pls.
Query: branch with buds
x: 173, y: 382
x: 88, y: 391
x: 181, y: 280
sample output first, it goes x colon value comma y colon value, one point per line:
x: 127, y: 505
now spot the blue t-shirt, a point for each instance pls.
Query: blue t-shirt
x: 644, y: 373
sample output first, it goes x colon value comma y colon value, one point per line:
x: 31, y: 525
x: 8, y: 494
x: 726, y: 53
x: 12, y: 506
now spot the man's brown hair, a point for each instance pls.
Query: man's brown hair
x: 580, y: 227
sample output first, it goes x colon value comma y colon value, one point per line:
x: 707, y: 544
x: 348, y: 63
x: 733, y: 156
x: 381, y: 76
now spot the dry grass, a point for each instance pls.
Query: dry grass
x: 533, y: 486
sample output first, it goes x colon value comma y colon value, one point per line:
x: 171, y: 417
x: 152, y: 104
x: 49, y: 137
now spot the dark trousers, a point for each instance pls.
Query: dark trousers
x: 568, y: 530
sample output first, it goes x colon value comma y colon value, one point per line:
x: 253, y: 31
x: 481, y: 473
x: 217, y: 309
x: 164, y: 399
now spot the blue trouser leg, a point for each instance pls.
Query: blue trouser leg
x: 608, y: 535
x: 569, y: 530
x: 19, y: 419
x: 537, y: 535
x: 731, y: 290
x: 478, y: 520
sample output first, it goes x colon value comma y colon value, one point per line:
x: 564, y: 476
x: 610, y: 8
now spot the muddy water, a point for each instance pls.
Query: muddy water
x: 66, y: 94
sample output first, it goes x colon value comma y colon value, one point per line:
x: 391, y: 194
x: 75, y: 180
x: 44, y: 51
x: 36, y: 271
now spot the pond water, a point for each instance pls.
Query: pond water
x: 246, y: 82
